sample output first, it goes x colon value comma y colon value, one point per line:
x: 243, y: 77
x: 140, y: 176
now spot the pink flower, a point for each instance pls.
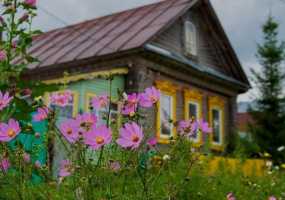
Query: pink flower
x: 27, y: 158
x: 204, y: 126
x: 1, y: 20
x: 131, y: 136
x: 86, y: 121
x: 231, y: 196
x: 42, y: 114
x: 26, y: 92
x: 65, y: 168
x: 31, y: 3
x: 100, y: 101
x: 187, y: 127
x: 272, y: 198
x: 152, y: 142
x: 24, y: 17
x: 9, y: 131
x: 70, y: 130
x: 61, y: 98
x: 14, y: 44
x: 38, y: 164
x: 3, y: 55
x: 98, y: 137
x: 130, y: 105
x: 149, y: 97
x: 4, y: 165
x: 37, y: 135
x: 5, y: 99
x: 115, y: 166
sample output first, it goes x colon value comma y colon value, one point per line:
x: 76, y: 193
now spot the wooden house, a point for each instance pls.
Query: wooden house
x: 177, y: 45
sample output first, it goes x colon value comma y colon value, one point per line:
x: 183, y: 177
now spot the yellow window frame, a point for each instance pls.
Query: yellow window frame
x: 168, y: 89
x: 89, y: 95
x: 75, y: 100
x: 195, y: 97
x: 217, y: 103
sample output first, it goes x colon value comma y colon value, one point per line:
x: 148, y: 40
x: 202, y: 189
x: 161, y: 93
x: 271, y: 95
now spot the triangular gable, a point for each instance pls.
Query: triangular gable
x: 220, y: 54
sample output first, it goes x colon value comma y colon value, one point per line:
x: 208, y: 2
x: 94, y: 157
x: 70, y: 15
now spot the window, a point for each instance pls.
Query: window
x: 216, y: 122
x: 166, y: 114
x: 102, y: 114
x: 216, y: 112
x: 69, y: 111
x: 193, y: 110
x: 190, y: 38
x: 194, y: 114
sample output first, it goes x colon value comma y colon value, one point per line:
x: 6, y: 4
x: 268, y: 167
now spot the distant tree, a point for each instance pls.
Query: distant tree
x: 269, y: 113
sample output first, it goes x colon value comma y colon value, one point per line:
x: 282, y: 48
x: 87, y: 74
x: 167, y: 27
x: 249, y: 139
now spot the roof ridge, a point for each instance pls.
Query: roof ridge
x: 100, y: 17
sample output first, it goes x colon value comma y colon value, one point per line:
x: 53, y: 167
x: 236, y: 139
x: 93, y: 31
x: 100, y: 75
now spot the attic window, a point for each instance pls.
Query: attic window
x: 190, y: 38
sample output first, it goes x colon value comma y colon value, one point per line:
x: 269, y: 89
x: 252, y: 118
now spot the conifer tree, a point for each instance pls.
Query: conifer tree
x: 269, y: 115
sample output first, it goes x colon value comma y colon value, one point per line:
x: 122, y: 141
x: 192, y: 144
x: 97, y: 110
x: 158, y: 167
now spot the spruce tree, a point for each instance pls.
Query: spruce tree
x: 269, y: 114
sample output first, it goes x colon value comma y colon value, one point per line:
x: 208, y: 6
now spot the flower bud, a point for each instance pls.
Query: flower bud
x: 27, y: 158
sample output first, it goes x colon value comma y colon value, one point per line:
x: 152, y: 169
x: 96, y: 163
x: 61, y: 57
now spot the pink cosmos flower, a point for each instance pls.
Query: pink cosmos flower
x: 27, y: 158
x: 204, y: 126
x: 272, y: 198
x: 3, y: 55
x: 149, y: 97
x: 187, y: 127
x: 65, y: 168
x: 42, y: 114
x: 37, y: 135
x: 9, y: 131
x: 130, y: 105
x: 14, y: 44
x: 152, y: 142
x: 131, y: 136
x: 231, y: 196
x: 1, y: 20
x: 5, y: 99
x: 4, y: 165
x: 31, y: 3
x: 24, y: 17
x: 27, y: 92
x: 38, y: 164
x: 61, y: 98
x: 86, y: 121
x: 99, y: 101
x: 98, y: 137
x: 70, y: 130
x: 115, y: 166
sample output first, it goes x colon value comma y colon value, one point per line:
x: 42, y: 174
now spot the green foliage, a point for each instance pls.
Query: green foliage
x: 269, y: 116
x: 245, y: 147
x: 181, y: 177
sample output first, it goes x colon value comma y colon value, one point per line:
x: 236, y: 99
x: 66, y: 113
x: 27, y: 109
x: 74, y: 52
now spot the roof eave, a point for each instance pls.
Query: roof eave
x: 203, y: 70
x: 230, y: 46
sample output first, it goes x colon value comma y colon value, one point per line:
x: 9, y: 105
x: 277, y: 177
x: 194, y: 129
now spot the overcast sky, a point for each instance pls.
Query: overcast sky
x: 242, y: 20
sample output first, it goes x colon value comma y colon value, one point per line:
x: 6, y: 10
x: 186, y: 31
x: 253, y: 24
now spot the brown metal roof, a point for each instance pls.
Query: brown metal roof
x: 105, y: 35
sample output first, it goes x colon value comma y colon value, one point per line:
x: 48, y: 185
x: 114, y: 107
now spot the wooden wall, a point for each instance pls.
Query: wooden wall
x: 209, y: 51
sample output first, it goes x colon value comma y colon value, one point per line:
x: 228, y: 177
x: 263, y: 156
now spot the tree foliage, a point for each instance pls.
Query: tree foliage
x: 269, y: 114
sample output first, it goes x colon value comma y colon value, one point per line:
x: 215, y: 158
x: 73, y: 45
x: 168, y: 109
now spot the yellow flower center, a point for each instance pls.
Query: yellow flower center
x: 11, y: 133
x: 153, y: 98
x: 135, y: 138
x: 132, y: 114
x: 69, y: 131
x: 99, y: 140
x: 87, y: 125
